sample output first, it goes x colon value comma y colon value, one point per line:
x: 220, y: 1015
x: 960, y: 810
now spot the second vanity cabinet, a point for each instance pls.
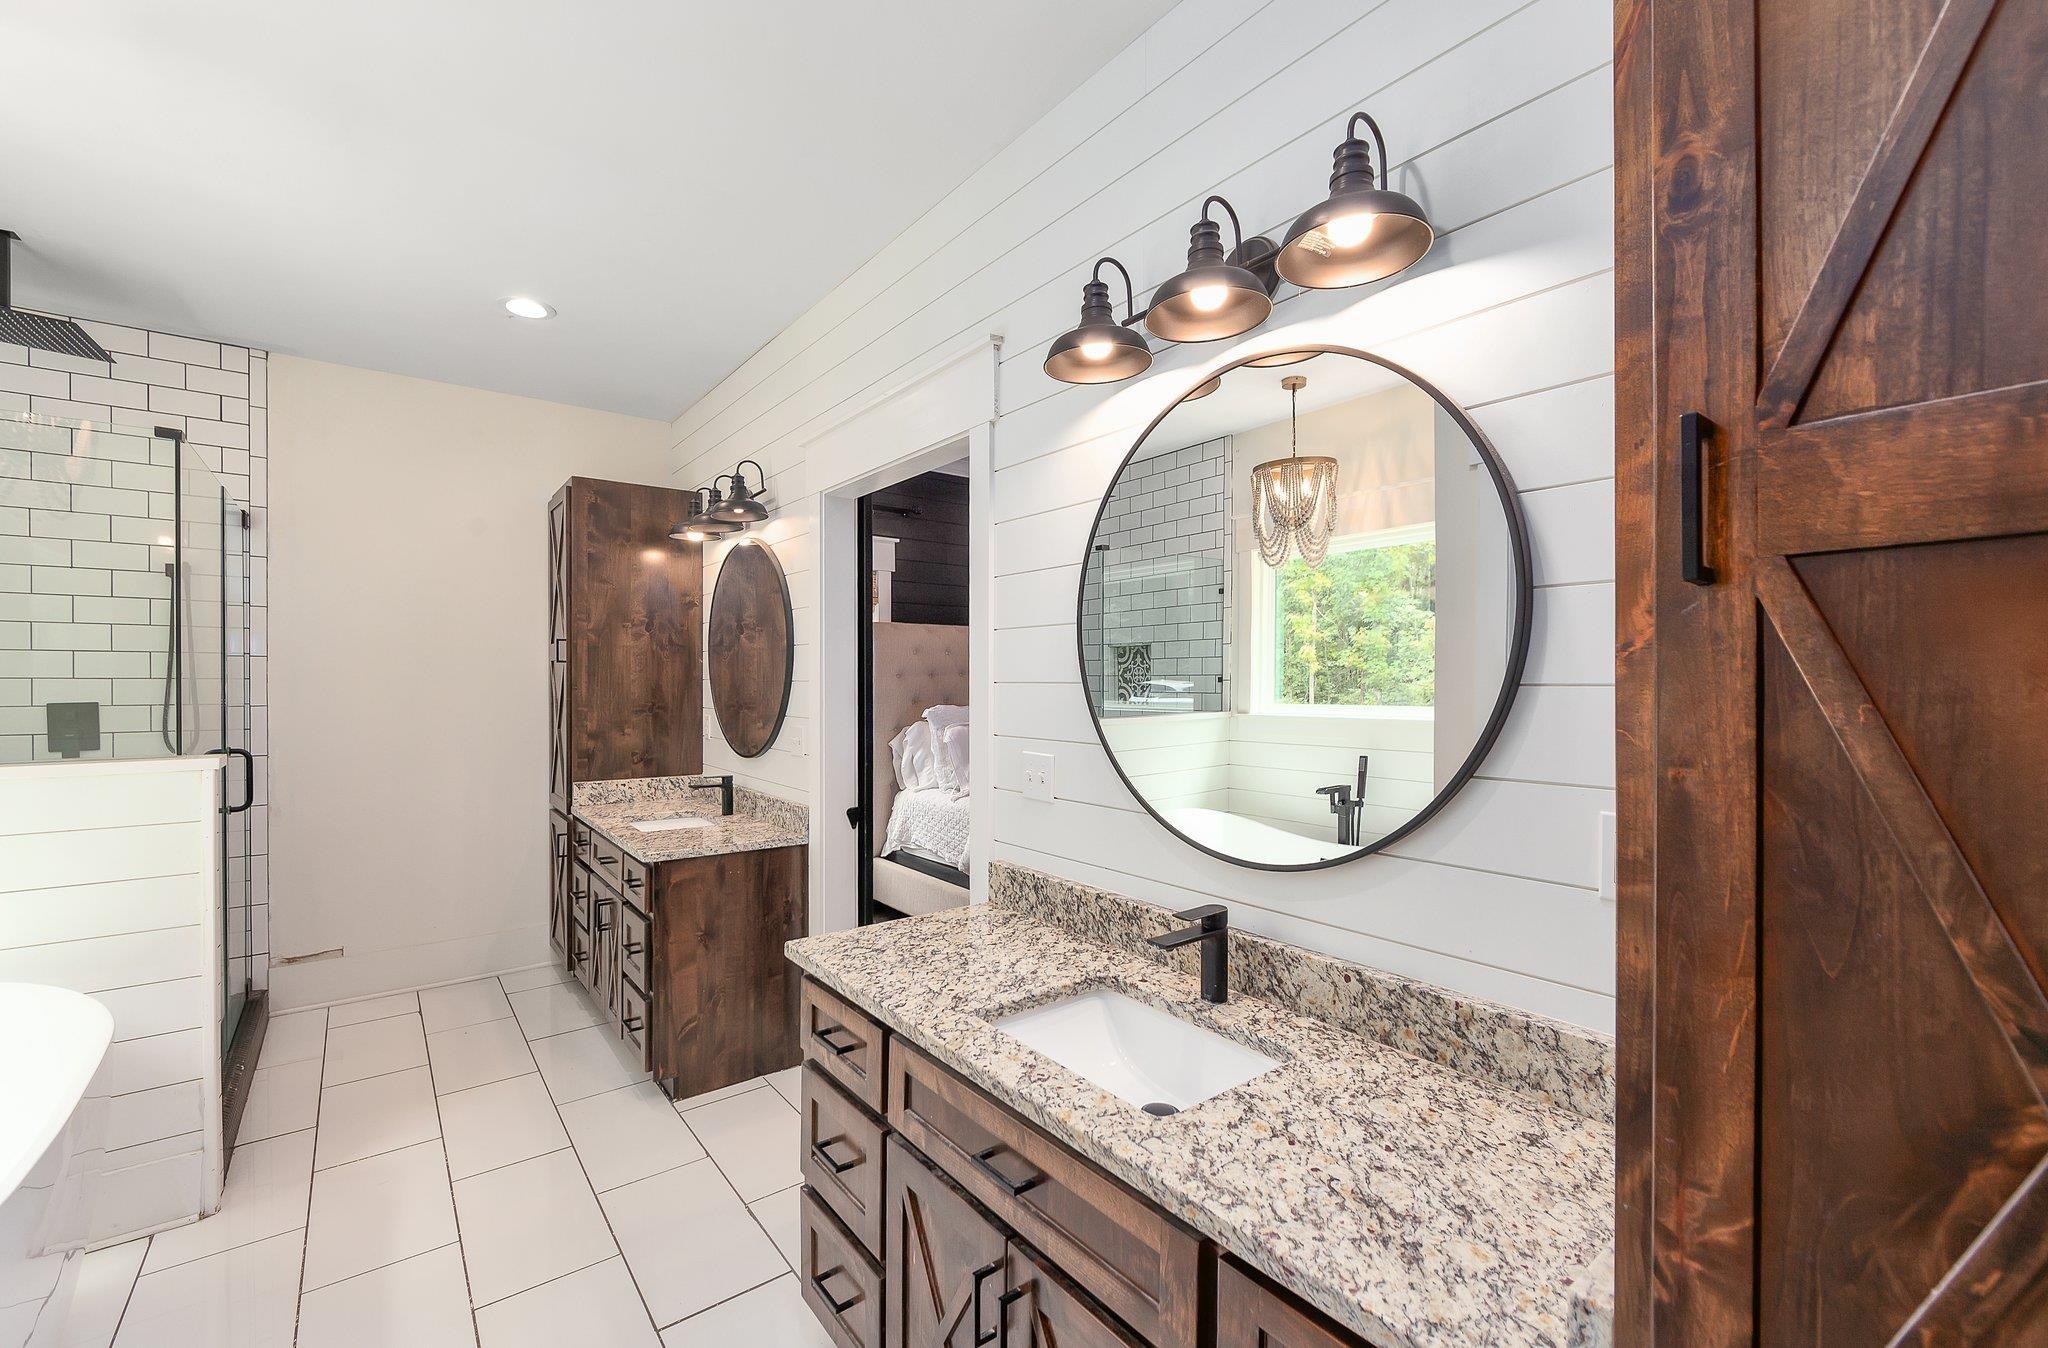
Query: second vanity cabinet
x: 684, y: 956
x: 934, y: 1217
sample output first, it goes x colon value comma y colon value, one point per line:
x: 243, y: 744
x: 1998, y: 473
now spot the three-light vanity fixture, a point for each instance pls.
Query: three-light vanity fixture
x: 1363, y: 231
x: 716, y: 511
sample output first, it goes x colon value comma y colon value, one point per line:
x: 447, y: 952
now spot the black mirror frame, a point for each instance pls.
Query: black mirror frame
x: 1518, y: 652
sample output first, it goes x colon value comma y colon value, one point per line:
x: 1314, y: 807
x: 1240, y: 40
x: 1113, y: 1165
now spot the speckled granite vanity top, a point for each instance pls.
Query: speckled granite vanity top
x: 1427, y: 1169
x: 757, y: 821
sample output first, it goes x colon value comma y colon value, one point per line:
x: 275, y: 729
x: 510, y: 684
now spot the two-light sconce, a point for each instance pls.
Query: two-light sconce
x: 716, y: 510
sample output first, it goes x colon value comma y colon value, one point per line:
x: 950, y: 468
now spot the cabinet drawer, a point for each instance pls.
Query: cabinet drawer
x: 1044, y: 1309
x: 579, y: 955
x: 844, y: 1042
x: 841, y: 1284
x: 633, y: 1017
x: 842, y: 1156
x: 1135, y: 1259
x: 633, y: 934
x: 580, y: 835
x: 605, y: 859
x: 1252, y: 1313
x: 636, y: 880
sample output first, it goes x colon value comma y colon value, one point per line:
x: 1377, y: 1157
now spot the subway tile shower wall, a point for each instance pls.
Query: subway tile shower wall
x: 1155, y: 613
x: 81, y: 513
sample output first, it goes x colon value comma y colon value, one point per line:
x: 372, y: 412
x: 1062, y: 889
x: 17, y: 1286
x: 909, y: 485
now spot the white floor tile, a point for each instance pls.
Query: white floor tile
x: 689, y: 1241
x: 789, y: 1084
x: 293, y: 1038
x: 105, y: 1278
x: 555, y: 1008
x: 373, y: 1048
x: 629, y: 1134
x: 598, y: 1306
x: 586, y: 1062
x: 474, y: 1055
x: 540, y: 975
x: 780, y: 1216
x: 380, y: 1114
x: 266, y: 1192
x: 753, y: 1137
x: 527, y: 1223
x: 774, y: 1314
x: 688, y: 1103
x: 282, y: 1099
x: 371, y: 1213
x: 421, y: 1302
x: 242, y: 1298
x: 376, y: 1008
x: 489, y: 1126
x: 461, y: 1004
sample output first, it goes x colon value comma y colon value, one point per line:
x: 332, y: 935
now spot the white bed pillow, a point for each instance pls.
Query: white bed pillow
x: 914, y: 752
x: 944, y: 716
x: 952, y: 759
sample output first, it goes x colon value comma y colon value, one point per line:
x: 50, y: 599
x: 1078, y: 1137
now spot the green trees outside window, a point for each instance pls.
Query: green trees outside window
x: 1359, y: 630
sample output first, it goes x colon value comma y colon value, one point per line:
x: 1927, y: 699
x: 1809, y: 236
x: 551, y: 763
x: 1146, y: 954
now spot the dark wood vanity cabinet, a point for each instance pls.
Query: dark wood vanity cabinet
x: 934, y: 1217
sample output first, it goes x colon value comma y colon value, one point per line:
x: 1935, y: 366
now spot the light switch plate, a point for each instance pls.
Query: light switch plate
x: 1038, y: 776
x: 1607, y: 857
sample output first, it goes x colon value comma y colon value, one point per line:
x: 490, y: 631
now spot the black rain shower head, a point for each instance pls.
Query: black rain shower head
x: 39, y: 331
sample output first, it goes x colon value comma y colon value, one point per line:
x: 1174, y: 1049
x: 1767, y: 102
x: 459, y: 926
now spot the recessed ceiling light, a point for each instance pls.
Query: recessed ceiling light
x: 524, y: 306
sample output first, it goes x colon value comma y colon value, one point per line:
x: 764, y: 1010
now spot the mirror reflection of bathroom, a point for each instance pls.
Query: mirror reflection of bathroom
x: 1297, y: 610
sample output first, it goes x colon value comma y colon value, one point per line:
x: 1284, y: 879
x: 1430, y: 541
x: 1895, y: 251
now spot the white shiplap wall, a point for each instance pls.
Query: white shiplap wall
x: 108, y: 886
x: 1500, y: 121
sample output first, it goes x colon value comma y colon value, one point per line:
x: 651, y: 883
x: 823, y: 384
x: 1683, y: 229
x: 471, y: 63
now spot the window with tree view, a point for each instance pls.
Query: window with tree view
x: 1359, y: 630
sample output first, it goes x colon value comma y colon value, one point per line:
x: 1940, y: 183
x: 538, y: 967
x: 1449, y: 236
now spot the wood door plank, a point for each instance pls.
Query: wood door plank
x: 1987, y: 950
x: 1927, y: 94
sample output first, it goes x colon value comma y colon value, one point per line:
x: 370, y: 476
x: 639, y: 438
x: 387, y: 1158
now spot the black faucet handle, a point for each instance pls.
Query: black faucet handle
x: 1340, y: 797
x: 1212, y: 916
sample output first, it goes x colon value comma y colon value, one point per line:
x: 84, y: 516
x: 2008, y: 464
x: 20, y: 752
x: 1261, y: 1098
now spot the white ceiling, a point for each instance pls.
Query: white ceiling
x: 363, y: 182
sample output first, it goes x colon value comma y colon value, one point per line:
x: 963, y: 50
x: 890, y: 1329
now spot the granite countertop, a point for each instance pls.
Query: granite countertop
x: 758, y: 821
x: 1421, y: 1205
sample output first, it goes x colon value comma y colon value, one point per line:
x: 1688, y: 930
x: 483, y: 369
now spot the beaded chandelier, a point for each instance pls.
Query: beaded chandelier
x: 1294, y: 500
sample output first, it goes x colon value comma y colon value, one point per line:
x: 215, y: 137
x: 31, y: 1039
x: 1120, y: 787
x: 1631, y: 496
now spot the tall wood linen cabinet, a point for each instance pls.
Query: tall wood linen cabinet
x: 625, y: 654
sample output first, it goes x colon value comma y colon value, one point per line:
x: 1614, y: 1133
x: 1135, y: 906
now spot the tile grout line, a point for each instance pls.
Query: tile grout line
x: 447, y: 1171
x: 583, y: 1170
x: 306, y: 1241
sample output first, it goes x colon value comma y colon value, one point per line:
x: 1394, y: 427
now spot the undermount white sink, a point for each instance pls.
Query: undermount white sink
x: 1136, y: 1051
x: 680, y: 821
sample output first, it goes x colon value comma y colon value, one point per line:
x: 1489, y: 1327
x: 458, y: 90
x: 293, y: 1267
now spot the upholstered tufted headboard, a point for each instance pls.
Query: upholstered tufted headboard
x: 917, y: 666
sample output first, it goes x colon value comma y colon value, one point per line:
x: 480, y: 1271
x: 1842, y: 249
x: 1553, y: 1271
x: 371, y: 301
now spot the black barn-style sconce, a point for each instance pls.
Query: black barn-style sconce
x: 715, y: 513
x: 1363, y: 231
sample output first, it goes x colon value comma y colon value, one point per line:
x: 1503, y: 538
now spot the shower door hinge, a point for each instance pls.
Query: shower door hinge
x: 245, y: 517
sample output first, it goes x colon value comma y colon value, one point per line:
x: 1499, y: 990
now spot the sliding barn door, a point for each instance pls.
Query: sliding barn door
x: 1833, y: 244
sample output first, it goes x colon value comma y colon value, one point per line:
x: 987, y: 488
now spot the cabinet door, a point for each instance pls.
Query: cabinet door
x: 1043, y: 1309
x: 604, y: 947
x: 558, y: 650
x: 558, y: 882
x: 946, y: 1260
x: 1252, y: 1314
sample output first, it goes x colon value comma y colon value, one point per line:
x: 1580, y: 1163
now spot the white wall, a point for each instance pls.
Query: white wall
x: 1500, y: 121
x: 108, y: 886
x: 408, y: 680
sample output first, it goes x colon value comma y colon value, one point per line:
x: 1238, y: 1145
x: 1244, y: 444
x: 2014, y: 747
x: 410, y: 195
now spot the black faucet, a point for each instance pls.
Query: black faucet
x: 724, y: 785
x: 1212, y: 929
x: 1347, y: 806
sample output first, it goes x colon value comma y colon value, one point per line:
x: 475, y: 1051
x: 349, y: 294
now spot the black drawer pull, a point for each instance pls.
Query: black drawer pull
x: 632, y: 1024
x: 825, y: 1158
x: 981, y: 1276
x: 633, y: 882
x: 607, y: 861
x: 633, y: 947
x: 1003, y: 1304
x: 583, y: 957
x: 1015, y: 1188
x: 838, y: 1307
x: 824, y: 1037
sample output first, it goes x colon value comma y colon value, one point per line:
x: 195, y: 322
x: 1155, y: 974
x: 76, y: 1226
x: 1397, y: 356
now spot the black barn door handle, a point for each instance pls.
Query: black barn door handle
x: 1692, y: 561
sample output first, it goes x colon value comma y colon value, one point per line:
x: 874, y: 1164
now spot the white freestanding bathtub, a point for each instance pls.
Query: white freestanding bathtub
x: 51, y: 1043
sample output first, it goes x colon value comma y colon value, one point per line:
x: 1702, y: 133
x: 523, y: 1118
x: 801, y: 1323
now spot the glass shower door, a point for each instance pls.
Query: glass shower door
x: 209, y: 621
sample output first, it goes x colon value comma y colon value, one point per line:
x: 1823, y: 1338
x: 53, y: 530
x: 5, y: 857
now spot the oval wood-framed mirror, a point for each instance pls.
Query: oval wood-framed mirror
x: 751, y: 648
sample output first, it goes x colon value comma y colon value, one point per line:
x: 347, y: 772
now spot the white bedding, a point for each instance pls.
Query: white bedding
x: 930, y: 823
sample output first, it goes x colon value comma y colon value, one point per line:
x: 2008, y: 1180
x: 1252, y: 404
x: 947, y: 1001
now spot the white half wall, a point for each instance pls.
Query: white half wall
x: 408, y: 684
x: 1500, y: 121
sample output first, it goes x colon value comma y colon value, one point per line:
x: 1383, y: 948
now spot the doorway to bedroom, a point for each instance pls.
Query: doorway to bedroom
x: 915, y: 706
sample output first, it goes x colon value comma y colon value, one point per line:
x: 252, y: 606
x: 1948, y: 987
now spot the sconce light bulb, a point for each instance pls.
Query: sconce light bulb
x: 1208, y: 299
x: 1097, y: 350
x: 1348, y: 231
